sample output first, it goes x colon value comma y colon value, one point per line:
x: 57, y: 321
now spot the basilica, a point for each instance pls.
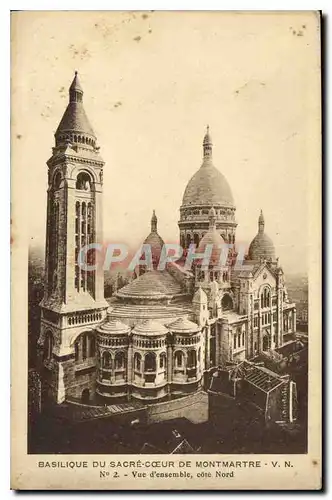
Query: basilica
x: 159, y: 336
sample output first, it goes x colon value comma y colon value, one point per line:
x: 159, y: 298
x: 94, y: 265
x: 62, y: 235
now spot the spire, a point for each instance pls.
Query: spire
x: 261, y: 222
x: 75, y: 90
x: 154, y: 222
x: 207, y: 144
x: 74, y: 123
x: 212, y: 218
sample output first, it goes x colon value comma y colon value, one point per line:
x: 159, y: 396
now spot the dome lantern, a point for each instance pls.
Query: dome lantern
x: 261, y: 222
x: 154, y: 222
x: 207, y: 144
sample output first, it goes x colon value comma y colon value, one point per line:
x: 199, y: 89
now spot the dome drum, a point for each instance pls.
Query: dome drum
x: 150, y: 374
x: 112, y: 372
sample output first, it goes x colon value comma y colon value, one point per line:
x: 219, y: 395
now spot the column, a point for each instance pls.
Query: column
x: 207, y: 347
x: 169, y: 361
x: 130, y: 364
x: 260, y: 333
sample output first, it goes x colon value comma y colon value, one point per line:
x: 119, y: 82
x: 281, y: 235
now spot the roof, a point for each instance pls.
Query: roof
x: 113, y: 327
x: 150, y: 327
x: 183, y: 325
x: 212, y: 237
x: 75, y: 120
x: 156, y: 243
x: 152, y: 284
x: 259, y: 376
x: 261, y: 247
x: 75, y: 84
x: 200, y: 296
x: 184, y: 447
x: 208, y: 186
x: 132, y: 312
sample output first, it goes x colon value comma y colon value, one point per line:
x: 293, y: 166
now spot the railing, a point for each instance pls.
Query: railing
x: 150, y: 377
x: 192, y: 372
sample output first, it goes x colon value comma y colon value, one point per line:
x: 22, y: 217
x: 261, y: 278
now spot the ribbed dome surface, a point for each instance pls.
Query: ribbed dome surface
x: 208, y: 186
x: 183, y: 325
x: 261, y: 247
x: 150, y: 327
x: 152, y: 284
x: 113, y: 327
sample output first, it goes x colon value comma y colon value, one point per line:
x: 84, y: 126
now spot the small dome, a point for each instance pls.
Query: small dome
x: 261, y: 246
x: 154, y: 240
x: 113, y: 327
x: 212, y: 237
x: 150, y: 327
x: 183, y: 325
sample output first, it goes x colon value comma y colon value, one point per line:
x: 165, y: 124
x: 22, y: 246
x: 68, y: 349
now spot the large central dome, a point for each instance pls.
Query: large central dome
x: 208, y: 186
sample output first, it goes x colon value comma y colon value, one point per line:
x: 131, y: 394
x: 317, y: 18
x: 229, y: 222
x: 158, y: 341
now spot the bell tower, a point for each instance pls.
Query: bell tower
x: 73, y: 302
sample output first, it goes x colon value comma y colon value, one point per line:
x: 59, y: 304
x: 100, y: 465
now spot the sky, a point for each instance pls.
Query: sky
x: 152, y: 82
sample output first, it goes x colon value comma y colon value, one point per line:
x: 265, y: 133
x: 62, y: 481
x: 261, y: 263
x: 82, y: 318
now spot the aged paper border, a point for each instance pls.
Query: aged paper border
x: 305, y: 472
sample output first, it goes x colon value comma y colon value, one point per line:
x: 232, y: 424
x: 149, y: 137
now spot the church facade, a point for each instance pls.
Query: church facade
x: 158, y: 336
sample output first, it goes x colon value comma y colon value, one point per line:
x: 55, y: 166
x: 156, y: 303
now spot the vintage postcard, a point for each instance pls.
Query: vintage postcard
x: 166, y: 250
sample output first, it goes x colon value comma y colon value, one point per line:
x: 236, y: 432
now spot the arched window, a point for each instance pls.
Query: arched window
x: 192, y: 360
x: 106, y: 360
x: 150, y: 362
x: 84, y: 347
x: 162, y: 360
x: 85, y: 396
x: 92, y: 352
x: 227, y: 303
x: 119, y: 361
x: 77, y: 351
x: 48, y: 345
x: 137, y: 361
x: 178, y: 359
x: 265, y: 297
x: 188, y: 240
x: 83, y: 181
x: 57, y: 181
x: 196, y: 239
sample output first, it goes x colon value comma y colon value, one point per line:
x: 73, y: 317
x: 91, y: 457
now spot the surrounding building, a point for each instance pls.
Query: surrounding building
x: 269, y: 396
x: 165, y: 330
